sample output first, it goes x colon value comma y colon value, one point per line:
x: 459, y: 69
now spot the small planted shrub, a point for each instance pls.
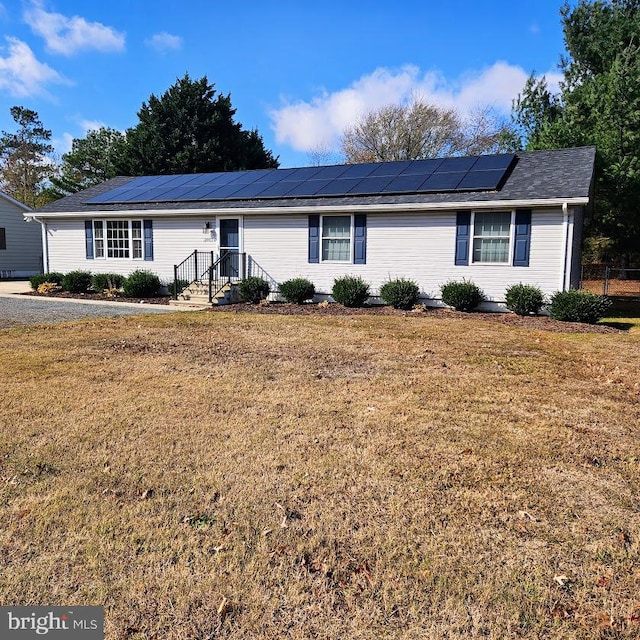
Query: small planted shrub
x: 254, y: 289
x: 297, y: 290
x: 54, y: 278
x: 578, y: 306
x: 462, y: 295
x: 350, y: 291
x: 48, y: 287
x: 106, y: 281
x: 524, y: 299
x: 141, y: 284
x: 400, y: 293
x: 76, y: 281
x: 176, y: 286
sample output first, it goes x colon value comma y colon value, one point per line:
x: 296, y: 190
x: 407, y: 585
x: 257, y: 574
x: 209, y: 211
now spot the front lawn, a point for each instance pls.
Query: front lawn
x: 233, y: 475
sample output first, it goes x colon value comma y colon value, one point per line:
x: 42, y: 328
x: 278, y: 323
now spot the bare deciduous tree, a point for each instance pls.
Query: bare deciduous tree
x: 419, y: 130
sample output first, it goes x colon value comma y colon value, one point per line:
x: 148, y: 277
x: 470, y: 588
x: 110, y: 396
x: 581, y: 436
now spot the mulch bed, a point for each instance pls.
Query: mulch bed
x: 543, y: 323
x: 98, y: 296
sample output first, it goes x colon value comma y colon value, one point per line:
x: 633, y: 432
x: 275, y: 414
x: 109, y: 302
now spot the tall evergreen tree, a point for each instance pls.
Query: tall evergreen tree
x: 190, y: 129
x: 90, y: 161
x: 25, y: 164
x: 598, y: 104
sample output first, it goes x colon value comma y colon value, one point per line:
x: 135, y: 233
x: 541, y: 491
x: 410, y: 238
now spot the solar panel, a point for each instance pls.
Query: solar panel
x: 339, y: 187
x: 481, y: 180
x: 410, y: 183
x: 457, y: 164
x: 498, y: 161
x: 391, y: 168
x: 307, y: 188
x: 360, y: 170
x: 422, y: 167
x: 372, y: 184
x: 411, y: 176
x: 442, y: 181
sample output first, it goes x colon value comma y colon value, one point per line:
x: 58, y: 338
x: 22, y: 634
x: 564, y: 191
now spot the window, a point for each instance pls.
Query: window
x: 3, y: 238
x: 491, y: 237
x: 336, y: 238
x: 118, y: 239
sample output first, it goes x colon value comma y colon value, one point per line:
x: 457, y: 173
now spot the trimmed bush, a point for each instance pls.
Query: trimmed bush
x: 401, y: 293
x: 524, y: 299
x: 76, y: 281
x: 578, y: 306
x: 106, y: 281
x: 141, y: 284
x: 254, y: 289
x: 297, y: 290
x: 176, y: 286
x: 53, y: 277
x: 462, y: 295
x: 350, y: 291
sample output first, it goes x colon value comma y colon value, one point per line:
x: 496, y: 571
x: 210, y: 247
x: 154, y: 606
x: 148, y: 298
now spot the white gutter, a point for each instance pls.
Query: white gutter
x: 351, y: 208
x: 45, y: 242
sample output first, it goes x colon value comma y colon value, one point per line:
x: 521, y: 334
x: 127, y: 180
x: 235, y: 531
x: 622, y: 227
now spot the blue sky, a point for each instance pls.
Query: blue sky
x: 297, y: 71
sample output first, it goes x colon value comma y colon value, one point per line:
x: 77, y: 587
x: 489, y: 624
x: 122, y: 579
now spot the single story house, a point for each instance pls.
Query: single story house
x: 495, y: 219
x: 20, y: 243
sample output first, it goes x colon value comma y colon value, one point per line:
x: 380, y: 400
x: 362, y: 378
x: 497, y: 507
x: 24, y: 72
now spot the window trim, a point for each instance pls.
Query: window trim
x: 321, y: 238
x: 472, y: 238
x: 102, y: 222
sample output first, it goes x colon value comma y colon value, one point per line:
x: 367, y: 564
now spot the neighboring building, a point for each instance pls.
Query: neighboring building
x: 20, y: 241
x: 497, y: 220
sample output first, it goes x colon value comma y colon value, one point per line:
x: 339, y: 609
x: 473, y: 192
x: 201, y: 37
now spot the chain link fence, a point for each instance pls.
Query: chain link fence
x: 611, y: 281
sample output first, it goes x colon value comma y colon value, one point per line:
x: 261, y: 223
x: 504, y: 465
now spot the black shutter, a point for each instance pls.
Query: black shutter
x: 522, y: 238
x: 314, y: 238
x: 463, y: 237
x: 88, y: 238
x: 360, y: 239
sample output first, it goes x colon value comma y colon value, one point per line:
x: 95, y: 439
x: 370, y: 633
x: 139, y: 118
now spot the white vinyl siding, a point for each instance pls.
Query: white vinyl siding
x: 419, y: 246
x: 173, y: 240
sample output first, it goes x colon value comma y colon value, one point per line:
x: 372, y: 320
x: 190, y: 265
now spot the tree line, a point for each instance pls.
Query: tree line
x: 191, y: 128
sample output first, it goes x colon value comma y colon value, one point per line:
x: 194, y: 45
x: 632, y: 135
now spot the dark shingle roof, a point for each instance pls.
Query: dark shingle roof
x: 537, y: 175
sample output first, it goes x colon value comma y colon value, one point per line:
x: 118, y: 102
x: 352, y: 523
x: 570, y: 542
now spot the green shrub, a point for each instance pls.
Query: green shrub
x: 254, y: 289
x: 401, y: 293
x: 524, y: 299
x: 462, y: 295
x: 350, y: 291
x: 76, y: 281
x: 106, y: 281
x: 176, y: 286
x: 297, y: 290
x: 578, y: 306
x: 53, y: 276
x: 141, y: 284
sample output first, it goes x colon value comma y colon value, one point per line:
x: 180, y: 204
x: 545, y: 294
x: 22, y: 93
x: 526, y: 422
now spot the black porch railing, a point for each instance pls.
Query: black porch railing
x: 202, y: 268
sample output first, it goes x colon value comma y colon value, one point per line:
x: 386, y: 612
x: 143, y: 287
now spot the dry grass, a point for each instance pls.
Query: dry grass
x: 239, y: 476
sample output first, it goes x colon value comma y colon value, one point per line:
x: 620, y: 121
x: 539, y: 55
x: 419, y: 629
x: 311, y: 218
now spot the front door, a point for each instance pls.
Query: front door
x: 230, y: 247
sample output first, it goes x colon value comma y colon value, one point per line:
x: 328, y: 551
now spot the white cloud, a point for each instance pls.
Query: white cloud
x: 320, y: 122
x: 67, y: 36
x: 22, y: 75
x: 164, y: 42
x: 91, y: 125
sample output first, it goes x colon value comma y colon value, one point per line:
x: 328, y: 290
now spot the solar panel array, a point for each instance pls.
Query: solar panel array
x: 476, y: 173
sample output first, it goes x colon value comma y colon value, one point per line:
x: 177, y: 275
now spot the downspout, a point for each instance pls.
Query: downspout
x: 567, y: 230
x: 45, y: 244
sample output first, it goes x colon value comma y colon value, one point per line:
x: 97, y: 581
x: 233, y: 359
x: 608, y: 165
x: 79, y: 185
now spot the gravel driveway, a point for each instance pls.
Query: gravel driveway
x: 19, y: 311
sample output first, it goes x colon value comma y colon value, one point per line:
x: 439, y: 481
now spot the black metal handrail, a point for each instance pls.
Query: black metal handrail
x: 202, y: 267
